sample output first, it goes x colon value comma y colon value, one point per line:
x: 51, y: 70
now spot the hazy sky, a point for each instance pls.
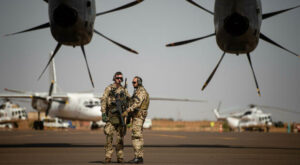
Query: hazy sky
x: 167, y: 72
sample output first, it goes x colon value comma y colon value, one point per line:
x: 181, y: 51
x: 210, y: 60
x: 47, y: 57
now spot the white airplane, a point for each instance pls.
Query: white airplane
x: 72, y: 24
x: 249, y: 119
x: 70, y: 106
x: 237, y: 29
x: 11, y: 113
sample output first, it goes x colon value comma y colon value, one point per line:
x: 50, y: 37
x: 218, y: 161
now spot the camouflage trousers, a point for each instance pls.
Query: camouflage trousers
x: 109, y: 130
x: 137, y: 136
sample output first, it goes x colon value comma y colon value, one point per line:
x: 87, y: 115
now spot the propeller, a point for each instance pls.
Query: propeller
x: 189, y: 41
x: 250, y: 62
x: 46, y: 25
x: 268, y: 15
x: 14, y: 91
x: 265, y: 38
x: 195, y: 4
x: 122, y: 46
x: 121, y: 8
x: 213, y: 73
x: 49, y: 99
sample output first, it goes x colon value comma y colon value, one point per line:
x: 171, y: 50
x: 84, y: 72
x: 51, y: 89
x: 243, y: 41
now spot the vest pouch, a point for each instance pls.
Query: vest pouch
x: 114, y: 120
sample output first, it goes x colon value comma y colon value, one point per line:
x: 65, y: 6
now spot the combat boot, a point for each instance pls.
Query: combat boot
x: 120, y: 160
x: 107, y: 160
x: 138, y: 160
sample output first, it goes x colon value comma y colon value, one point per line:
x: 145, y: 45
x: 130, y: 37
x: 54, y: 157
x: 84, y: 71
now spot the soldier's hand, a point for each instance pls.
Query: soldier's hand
x: 125, y: 114
x: 104, y: 117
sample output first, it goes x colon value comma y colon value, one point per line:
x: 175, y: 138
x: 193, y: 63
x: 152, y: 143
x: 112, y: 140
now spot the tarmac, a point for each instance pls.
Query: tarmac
x: 161, y: 147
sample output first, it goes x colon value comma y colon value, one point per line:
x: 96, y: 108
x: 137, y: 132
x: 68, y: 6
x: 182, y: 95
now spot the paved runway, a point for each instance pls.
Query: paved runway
x: 86, y: 147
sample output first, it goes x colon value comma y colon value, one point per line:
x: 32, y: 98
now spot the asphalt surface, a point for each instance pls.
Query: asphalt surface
x: 86, y: 147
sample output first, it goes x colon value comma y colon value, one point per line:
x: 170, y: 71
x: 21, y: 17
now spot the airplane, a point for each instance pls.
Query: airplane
x: 83, y: 106
x: 237, y: 29
x: 250, y: 119
x: 72, y: 24
x: 11, y: 113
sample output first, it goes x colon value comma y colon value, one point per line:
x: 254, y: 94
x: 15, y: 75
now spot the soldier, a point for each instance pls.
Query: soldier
x: 138, y: 110
x: 113, y: 118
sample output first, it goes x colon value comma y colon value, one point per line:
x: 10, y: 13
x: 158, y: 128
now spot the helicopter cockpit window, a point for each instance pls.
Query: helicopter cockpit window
x: 2, y: 106
x: 248, y: 113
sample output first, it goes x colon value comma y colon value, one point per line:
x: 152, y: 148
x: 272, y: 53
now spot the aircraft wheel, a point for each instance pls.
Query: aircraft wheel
x: 38, y: 125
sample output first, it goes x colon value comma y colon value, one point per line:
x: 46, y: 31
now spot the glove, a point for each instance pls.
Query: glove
x: 104, y: 117
x: 125, y: 114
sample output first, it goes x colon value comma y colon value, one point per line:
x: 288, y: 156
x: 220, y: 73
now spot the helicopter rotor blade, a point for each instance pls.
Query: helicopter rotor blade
x: 54, y: 53
x: 265, y: 38
x: 268, y: 15
x: 87, y: 65
x: 250, y: 62
x: 46, y: 25
x: 195, y: 4
x: 189, y: 41
x: 120, y: 45
x: 212, y: 73
x: 121, y: 7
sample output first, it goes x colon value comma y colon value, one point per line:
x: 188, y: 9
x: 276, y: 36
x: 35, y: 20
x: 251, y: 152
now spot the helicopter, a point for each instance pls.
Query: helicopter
x: 11, y: 113
x: 72, y: 24
x: 252, y: 118
x: 237, y: 29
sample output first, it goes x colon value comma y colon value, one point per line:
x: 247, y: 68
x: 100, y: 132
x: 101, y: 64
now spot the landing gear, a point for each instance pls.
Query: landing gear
x: 38, y: 125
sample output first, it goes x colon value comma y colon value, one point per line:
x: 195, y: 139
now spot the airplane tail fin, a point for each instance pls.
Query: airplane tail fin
x: 52, y: 74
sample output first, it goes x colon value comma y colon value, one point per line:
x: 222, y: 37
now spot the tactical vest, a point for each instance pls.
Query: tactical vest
x: 113, y: 114
x: 145, y: 103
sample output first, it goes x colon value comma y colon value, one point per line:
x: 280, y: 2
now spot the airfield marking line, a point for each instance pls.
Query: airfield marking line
x: 173, y: 136
x: 227, y: 138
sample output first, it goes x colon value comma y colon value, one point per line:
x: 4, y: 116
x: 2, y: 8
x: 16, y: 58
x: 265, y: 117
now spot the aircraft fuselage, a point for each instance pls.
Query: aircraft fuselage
x: 84, y: 107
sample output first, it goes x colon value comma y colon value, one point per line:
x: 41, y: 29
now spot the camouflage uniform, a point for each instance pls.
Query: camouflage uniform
x: 113, y: 124
x: 138, y: 108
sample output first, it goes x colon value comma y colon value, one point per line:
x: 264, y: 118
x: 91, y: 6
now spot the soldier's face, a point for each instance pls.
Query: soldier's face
x: 119, y: 79
x: 134, y: 83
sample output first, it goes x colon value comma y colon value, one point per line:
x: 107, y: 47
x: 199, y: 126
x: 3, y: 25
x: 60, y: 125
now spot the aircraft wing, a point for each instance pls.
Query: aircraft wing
x: 6, y: 95
x: 166, y: 99
x: 28, y: 96
x: 175, y: 99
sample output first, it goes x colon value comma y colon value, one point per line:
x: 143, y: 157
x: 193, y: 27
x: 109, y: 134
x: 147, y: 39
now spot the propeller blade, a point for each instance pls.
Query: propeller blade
x: 51, y: 88
x: 250, y: 62
x: 49, y: 106
x: 122, y: 7
x: 15, y: 91
x: 189, y: 41
x: 122, y: 46
x: 194, y: 3
x: 265, y: 38
x: 213, y: 73
x: 55, y: 51
x: 46, y: 25
x: 87, y: 65
x: 268, y: 15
